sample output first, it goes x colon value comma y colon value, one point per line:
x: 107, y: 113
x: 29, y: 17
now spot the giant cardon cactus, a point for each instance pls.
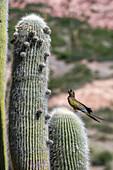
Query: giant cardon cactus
x: 68, y: 141
x: 3, y: 55
x: 29, y: 94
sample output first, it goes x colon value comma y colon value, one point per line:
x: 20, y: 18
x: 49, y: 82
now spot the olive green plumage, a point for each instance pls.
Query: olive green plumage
x: 28, y: 98
x: 3, y: 56
x: 76, y: 105
x: 69, y: 150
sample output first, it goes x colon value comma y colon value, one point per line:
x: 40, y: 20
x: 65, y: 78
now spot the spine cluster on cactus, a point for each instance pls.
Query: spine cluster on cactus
x: 68, y: 141
x: 29, y: 94
x: 3, y: 56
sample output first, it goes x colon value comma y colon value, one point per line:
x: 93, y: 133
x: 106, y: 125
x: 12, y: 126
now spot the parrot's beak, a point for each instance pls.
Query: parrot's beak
x: 69, y: 91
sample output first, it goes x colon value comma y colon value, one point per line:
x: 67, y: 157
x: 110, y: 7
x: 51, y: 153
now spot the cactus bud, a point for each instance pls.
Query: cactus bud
x: 16, y: 34
x: 39, y: 112
x: 46, y: 54
x: 48, y: 92
x: 48, y: 116
x: 35, y: 38
x: 49, y: 142
x: 32, y: 33
x: 39, y: 42
x: 41, y: 66
x: 26, y: 44
x: 22, y: 54
x: 47, y: 30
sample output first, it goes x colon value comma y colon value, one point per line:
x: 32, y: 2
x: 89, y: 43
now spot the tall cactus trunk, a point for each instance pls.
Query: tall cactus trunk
x: 69, y: 150
x: 3, y: 56
x: 28, y: 96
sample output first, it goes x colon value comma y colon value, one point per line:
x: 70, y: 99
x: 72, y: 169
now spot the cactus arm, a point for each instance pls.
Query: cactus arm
x: 3, y: 56
x: 28, y: 99
x: 70, y: 146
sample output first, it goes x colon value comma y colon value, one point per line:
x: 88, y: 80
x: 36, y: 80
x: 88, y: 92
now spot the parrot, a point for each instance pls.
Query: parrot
x: 76, y: 105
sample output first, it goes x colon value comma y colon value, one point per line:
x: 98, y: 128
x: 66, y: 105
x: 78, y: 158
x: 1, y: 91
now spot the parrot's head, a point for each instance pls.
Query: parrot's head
x: 71, y: 93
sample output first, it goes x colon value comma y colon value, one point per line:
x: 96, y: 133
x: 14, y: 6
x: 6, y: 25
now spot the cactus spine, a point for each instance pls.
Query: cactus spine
x: 69, y: 150
x: 28, y: 98
x: 3, y: 55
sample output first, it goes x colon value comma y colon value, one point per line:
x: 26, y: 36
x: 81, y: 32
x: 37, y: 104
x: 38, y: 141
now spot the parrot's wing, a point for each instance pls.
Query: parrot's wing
x: 81, y: 106
x: 88, y: 111
x: 87, y: 108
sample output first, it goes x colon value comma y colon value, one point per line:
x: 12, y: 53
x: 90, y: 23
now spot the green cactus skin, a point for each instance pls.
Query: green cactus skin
x: 3, y: 56
x: 69, y: 150
x: 28, y: 99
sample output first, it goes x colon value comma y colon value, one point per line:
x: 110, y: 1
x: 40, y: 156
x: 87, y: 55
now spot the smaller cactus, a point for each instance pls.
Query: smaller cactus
x: 69, y: 146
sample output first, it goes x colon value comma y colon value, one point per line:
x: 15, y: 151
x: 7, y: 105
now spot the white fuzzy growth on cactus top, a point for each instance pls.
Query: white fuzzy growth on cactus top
x: 34, y: 17
x: 64, y: 110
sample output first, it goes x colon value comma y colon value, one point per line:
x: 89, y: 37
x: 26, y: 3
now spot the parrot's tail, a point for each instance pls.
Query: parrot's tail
x: 97, y: 117
x: 92, y: 116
